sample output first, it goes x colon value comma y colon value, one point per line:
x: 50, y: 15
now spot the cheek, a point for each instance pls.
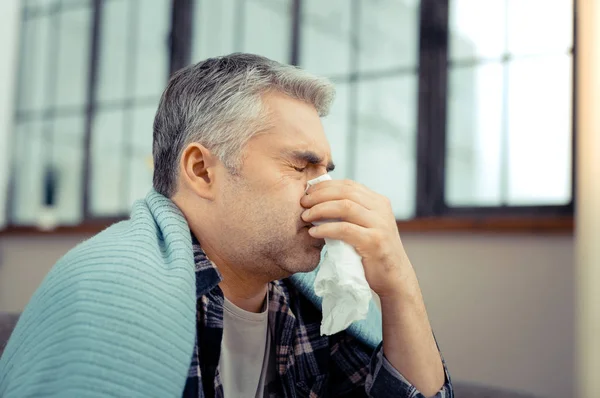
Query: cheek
x: 288, y: 190
x: 275, y: 202
x: 286, y: 203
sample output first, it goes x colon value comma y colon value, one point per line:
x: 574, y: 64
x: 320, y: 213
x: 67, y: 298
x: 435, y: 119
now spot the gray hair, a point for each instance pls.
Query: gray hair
x: 218, y: 103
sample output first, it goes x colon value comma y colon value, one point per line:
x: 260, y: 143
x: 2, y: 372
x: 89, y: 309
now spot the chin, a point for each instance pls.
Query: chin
x: 308, y: 262
x: 301, y: 256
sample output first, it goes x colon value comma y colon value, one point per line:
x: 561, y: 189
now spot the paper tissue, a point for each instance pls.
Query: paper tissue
x: 340, y: 282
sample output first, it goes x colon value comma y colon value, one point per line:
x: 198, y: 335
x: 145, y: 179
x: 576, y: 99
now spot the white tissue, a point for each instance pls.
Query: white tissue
x: 341, y: 283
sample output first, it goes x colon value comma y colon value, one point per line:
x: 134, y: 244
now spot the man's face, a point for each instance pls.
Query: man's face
x: 259, y: 210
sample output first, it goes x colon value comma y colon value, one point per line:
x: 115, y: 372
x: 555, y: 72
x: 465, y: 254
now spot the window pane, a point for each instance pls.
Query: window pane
x: 152, y: 63
x: 141, y: 131
x: 540, y: 26
x: 325, y: 37
x: 29, y: 165
x: 474, y: 135
x: 112, y: 73
x: 385, y: 148
x: 268, y: 25
x: 257, y: 26
x: 41, y: 6
x: 139, y: 164
x: 336, y: 129
x: 140, y: 177
x: 34, y: 65
x: 215, y: 29
x: 73, y: 56
x: 389, y: 34
x: 67, y: 156
x: 477, y: 29
x: 134, y: 66
x: 522, y: 160
x: 540, y: 130
x: 107, y: 164
x: 74, y: 3
x: 39, y: 146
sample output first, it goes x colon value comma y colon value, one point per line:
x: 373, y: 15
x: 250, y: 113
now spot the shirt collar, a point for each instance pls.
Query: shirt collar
x: 207, y: 274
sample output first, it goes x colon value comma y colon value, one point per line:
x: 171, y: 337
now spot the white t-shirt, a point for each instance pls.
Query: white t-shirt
x: 247, y: 362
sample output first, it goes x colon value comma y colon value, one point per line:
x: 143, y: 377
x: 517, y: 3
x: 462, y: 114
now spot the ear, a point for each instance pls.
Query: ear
x: 198, y: 170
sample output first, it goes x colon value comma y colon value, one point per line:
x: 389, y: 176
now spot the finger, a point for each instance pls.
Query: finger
x: 353, y: 234
x: 342, y: 184
x: 338, y: 192
x: 344, y: 210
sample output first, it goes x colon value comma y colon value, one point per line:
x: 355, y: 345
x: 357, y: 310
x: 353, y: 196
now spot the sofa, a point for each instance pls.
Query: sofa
x: 468, y: 390
x: 7, y: 323
x: 462, y: 390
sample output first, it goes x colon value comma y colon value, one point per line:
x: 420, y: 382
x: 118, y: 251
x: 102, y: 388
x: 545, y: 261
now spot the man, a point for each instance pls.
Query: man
x: 206, y: 290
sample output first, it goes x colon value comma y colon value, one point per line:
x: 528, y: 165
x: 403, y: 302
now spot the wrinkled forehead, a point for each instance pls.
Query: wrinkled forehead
x: 296, y: 126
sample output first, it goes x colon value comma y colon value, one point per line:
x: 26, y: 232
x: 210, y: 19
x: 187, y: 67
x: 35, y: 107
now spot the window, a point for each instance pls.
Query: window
x: 370, y: 50
x: 451, y: 108
x: 509, y: 123
x: 133, y: 67
x: 51, y: 109
x: 83, y: 134
x: 223, y: 27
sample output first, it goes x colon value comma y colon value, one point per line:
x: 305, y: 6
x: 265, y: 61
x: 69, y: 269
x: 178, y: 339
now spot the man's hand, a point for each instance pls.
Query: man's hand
x: 367, y: 222
x: 364, y: 219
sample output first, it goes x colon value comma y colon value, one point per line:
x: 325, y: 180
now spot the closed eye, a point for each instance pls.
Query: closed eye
x: 300, y: 169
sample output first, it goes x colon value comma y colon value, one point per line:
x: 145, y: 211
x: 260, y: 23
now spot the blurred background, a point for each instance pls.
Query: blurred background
x: 462, y: 112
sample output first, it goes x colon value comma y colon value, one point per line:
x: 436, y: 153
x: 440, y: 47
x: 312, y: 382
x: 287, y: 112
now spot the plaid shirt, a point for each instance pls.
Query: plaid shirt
x: 308, y: 364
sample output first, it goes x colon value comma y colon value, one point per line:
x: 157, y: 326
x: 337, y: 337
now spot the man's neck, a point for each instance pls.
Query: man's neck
x: 246, y: 290
x: 251, y: 300
x: 243, y: 290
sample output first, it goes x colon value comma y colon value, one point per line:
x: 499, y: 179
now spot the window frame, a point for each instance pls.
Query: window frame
x: 431, y: 212
x: 432, y: 134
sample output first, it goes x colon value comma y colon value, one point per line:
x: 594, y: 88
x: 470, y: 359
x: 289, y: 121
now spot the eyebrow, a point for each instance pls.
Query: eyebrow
x: 311, y: 158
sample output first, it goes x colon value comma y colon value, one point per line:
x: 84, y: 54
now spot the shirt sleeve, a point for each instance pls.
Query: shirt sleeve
x: 356, y: 370
x: 384, y: 380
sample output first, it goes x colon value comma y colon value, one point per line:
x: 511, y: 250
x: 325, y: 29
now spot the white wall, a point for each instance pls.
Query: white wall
x: 502, y: 306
